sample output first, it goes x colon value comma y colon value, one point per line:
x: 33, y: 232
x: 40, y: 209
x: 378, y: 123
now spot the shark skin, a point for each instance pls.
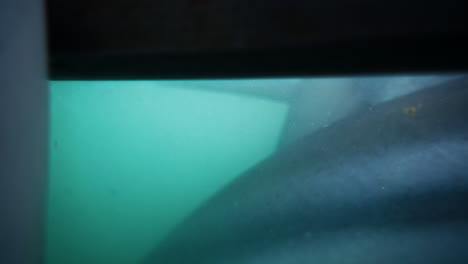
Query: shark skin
x: 386, y: 185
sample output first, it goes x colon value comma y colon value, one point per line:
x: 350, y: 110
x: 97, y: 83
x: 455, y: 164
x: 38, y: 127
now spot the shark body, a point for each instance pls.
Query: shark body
x: 388, y: 184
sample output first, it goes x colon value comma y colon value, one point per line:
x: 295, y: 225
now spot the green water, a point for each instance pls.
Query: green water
x: 130, y: 159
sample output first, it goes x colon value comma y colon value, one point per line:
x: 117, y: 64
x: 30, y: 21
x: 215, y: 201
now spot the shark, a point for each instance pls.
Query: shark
x: 385, y: 184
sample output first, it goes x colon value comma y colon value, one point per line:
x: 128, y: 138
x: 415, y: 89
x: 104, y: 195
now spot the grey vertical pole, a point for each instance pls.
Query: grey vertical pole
x: 23, y: 130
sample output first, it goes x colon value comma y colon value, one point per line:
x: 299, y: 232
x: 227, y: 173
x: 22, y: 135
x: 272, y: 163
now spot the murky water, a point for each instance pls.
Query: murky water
x: 129, y: 160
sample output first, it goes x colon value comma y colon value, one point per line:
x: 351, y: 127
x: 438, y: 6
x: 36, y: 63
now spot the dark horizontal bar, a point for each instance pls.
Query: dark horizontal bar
x: 393, y: 56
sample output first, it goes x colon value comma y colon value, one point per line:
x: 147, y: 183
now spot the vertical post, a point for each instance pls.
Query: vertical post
x: 23, y: 130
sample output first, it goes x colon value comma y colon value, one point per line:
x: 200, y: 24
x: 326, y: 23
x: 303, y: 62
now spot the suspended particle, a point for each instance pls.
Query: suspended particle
x: 411, y: 110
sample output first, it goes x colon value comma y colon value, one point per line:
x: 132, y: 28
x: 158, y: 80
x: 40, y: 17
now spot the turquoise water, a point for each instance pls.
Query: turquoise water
x: 130, y: 159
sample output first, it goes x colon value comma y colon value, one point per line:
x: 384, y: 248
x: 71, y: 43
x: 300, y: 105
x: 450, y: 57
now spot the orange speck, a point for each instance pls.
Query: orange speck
x: 410, y: 110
